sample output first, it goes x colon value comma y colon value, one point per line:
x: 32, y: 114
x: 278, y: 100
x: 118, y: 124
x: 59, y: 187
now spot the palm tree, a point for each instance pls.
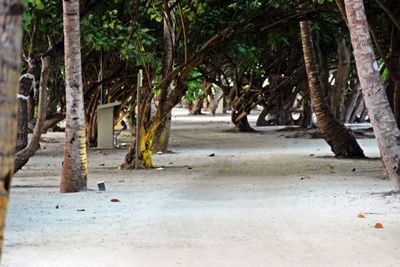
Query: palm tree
x: 74, y: 171
x: 342, y: 142
x: 10, y: 56
x: 382, y: 118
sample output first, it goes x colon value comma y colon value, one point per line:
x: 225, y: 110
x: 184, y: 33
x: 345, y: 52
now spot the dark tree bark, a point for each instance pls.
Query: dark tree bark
x: 241, y: 106
x: 25, y: 154
x: 261, y: 118
x: 306, y: 121
x: 341, y: 141
x: 25, y: 85
x: 341, y: 78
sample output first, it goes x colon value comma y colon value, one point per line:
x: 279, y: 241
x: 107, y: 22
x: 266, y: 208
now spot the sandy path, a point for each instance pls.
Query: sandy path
x: 247, y: 206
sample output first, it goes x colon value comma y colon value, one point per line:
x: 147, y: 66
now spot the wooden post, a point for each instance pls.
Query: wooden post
x: 138, y: 118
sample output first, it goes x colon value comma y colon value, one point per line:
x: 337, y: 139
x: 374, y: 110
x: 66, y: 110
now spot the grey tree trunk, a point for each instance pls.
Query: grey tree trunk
x: 380, y: 113
x: 75, y: 169
x: 10, y: 59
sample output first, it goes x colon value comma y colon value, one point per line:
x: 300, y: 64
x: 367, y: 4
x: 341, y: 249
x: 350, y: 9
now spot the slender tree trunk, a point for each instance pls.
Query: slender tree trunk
x: 342, y: 142
x: 10, y: 56
x: 75, y: 169
x: 25, y: 154
x: 341, y: 79
x: 161, y: 138
x: 383, y: 122
x: 306, y: 122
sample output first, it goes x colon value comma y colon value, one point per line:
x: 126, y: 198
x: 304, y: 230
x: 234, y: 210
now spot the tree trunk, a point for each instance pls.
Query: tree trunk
x: 10, y: 56
x: 306, y: 121
x: 241, y: 122
x: 382, y: 119
x: 354, y: 104
x: 197, y: 105
x: 25, y: 85
x: 241, y: 104
x: 341, y: 79
x: 146, y: 148
x: 161, y: 138
x: 261, y: 118
x: 75, y: 169
x: 25, y: 154
x: 341, y: 141
x: 393, y: 65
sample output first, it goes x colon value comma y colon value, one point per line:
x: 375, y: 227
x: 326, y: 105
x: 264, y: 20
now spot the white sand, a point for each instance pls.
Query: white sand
x: 247, y: 206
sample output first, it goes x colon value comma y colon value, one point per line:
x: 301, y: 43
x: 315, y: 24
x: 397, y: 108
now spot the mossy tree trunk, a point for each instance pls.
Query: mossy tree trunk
x: 161, y: 138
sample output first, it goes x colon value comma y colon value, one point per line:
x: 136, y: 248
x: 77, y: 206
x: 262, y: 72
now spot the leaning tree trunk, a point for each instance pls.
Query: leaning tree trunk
x: 25, y: 154
x: 10, y: 56
x: 341, y: 141
x: 197, y: 105
x: 382, y: 119
x: 75, y: 169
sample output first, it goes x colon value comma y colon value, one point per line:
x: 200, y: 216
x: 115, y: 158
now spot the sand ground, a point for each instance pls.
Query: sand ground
x: 262, y: 200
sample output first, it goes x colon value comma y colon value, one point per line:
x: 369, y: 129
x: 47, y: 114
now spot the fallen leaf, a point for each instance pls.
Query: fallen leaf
x: 228, y: 169
x: 360, y: 216
x: 378, y: 226
x: 115, y: 200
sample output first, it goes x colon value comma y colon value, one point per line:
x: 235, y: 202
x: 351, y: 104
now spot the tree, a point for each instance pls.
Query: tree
x: 28, y: 151
x: 10, y: 57
x: 74, y: 170
x: 380, y: 113
x: 161, y: 138
x: 342, y: 142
